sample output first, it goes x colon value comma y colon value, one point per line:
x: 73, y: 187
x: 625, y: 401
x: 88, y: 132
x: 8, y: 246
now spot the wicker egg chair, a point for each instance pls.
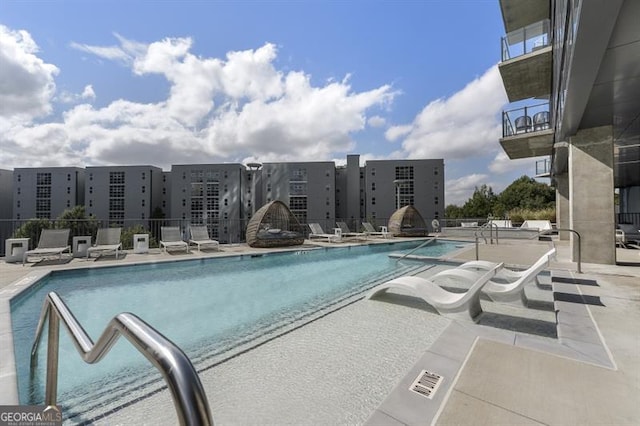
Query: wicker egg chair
x: 407, y: 222
x: 273, y: 225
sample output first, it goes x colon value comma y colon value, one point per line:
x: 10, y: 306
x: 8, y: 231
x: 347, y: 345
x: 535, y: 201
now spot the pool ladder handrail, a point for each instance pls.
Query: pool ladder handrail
x: 181, y: 377
x: 417, y: 248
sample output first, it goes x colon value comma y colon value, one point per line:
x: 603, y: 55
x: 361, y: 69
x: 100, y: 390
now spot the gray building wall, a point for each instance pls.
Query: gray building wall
x: 421, y: 184
x: 6, y: 194
x: 308, y: 188
x: 58, y: 189
x: 114, y: 194
x: 165, y: 197
x: 211, y: 194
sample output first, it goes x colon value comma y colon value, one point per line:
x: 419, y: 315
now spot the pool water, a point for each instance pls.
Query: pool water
x: 207, y: 307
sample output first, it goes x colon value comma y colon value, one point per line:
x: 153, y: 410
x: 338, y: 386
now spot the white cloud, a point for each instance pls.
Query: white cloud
x: 458, y: 127
x: 217, y: 110
x: 26, y: 82
x: 69, y: 98
x: 458, y: 191
x: 502, y: 164
x: 376, y: 121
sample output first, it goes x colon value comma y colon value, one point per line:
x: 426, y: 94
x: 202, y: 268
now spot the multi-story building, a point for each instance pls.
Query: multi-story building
x: 210, y: 194
x: 573, y: 64
x: 350, y: 194
x: 307, y: 188
x: 46, y: 192
x: 114, y: 194
x: 391, y: 184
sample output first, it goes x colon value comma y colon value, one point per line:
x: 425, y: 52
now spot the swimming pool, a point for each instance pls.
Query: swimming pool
x: 211, y: 308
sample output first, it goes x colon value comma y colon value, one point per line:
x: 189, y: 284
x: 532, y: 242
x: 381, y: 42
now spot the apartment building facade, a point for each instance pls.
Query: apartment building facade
x: 224, y: 196
x: 308, y: 188
x: 46, y: 192
x: 573, y: 63
x: 210, y: 194
x: 391, y: 184
x: 114, y: 194
x: 6, y: 194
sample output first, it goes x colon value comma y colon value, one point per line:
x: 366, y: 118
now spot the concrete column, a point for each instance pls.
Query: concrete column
x: 562, y: 205
x: 591, y: 206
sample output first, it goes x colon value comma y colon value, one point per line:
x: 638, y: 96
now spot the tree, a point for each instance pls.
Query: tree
x: 525, y: 193
x: 76, y: 220
x: 481, y: 202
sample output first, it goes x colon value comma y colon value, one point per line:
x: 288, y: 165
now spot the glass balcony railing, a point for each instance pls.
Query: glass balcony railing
x: 526, y: 119
x: 543, y: 167
x: 525, y: 40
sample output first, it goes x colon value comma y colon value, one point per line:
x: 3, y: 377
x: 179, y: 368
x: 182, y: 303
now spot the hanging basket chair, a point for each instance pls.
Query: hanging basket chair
x: 273, y: 225
x: 407, y: 222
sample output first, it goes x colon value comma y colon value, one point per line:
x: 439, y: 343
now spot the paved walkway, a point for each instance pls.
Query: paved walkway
x: 590, y: 376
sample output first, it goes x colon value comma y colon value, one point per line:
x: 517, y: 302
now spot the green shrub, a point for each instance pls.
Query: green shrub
x: 31, y: 229
x: 519, y: 215
x: 126, y: 238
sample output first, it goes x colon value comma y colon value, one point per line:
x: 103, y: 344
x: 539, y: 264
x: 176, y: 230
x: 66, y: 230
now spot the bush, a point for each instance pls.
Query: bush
x: 519, y: 215
x: 32, y: 229
x: 126, y: 238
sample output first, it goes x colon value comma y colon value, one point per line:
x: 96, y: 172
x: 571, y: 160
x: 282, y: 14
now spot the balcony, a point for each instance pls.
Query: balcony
x: 543, y: 168
x: 527, y: 132
x: 527, y: 61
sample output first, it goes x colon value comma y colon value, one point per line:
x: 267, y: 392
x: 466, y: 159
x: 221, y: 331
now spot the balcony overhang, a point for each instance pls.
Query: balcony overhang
x: 527, y: 145
x: 520, y: 13
x: 527, y: 76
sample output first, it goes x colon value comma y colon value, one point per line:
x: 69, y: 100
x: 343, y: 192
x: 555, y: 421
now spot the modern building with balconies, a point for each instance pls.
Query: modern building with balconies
x: 571, y: 70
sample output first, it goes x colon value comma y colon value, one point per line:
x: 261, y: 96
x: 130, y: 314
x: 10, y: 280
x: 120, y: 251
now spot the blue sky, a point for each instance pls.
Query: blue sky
x: 91, y: 83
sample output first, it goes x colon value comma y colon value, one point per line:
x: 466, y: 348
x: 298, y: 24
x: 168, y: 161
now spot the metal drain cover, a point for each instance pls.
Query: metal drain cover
x: 426, y: 384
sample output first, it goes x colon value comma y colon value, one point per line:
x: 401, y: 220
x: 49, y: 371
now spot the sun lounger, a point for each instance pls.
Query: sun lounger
x: 540, y: 225
x: 52, y: 242
x: 346, y: 232
x: 171, y: 238
x: 200, y: 237
x: 457, y: 305
x: 317, y: 232
x: 107, y: 239
x: 371, y: 231
x: 508, y: 285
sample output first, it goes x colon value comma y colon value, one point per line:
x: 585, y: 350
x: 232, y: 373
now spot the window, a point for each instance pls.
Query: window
x: 435, y: 200
x: 69, y: 177
x: 90, y: 203
x: 18, y: 204
x: 143, y: 189
x: 373, y: 186
x: 42, y: 179
x: 404, y: 172
x: 373, y: 201
x: 68, y: 190
x: 142, y: 202
x: 91, y: 190
x: 143, y: 176
x: 90, y: 176
x: 115, y: 191
x: 373, y: 171
x: 116, y: 178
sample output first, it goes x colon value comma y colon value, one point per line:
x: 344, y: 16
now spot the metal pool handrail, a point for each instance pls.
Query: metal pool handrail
x: 181, y: 377
x: 419, y: 247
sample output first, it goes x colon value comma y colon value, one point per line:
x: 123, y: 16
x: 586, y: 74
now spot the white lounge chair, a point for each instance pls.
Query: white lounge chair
x: 107, y: 239
x: 371, y: 231
x: 501, y: 223
x: 458, y: 305
x: 200, y: 237
x: 540, y: 225
x: 171, y: 238
x: 512, y: 289
x: 51, y: 242
x: 346, y: 232
x: 317, y: 232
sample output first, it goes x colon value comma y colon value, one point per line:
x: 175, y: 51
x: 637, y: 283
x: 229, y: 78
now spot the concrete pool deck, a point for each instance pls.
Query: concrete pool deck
x: 589, y: 375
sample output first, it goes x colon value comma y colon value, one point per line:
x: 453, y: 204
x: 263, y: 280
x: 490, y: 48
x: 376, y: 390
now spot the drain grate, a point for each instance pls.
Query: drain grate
x: 426, y: 384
